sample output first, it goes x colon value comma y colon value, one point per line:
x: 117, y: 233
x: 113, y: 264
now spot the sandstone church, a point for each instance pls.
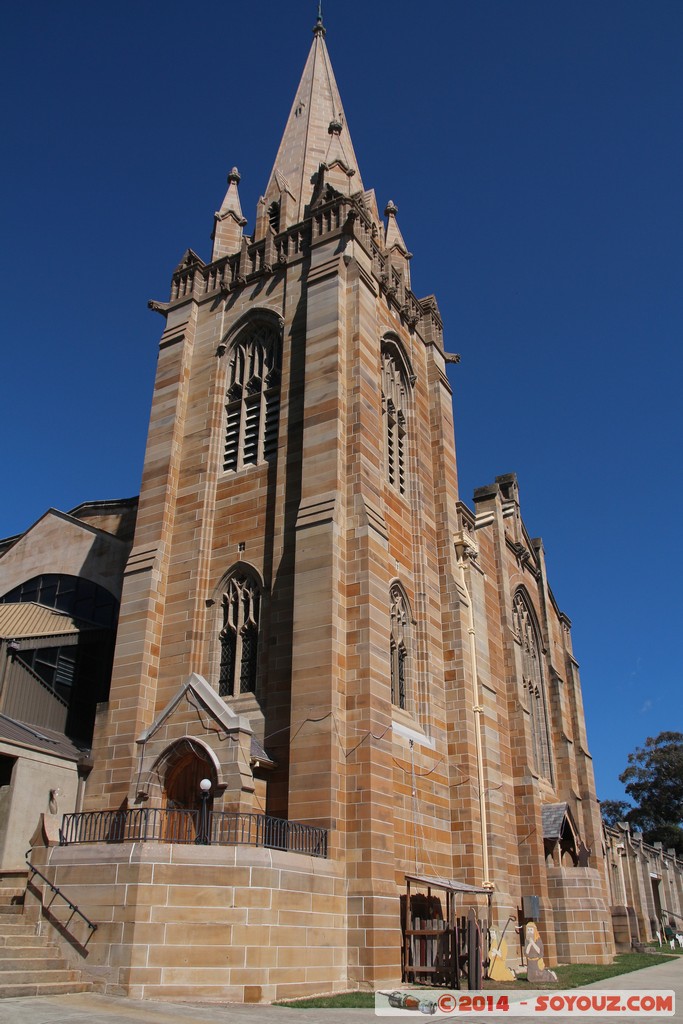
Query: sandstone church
x: 343, y: 704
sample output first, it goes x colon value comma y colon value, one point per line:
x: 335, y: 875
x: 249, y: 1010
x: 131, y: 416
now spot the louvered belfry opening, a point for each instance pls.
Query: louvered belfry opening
x: 253, y: 399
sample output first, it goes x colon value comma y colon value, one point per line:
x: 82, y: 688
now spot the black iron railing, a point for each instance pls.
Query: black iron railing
x: 57, y: 893
x: 175, y: 825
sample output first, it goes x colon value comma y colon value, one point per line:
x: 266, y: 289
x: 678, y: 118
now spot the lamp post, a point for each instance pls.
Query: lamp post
x: 203, y: 837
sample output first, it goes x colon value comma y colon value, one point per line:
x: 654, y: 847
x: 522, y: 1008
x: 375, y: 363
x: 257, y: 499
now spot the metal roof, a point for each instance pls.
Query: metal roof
x: 37, y: 738
x: 447, y: 883
x: 21, y: 620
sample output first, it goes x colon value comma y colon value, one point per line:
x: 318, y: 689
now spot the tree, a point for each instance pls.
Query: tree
x: 654, y: 780
x: 614, y: 811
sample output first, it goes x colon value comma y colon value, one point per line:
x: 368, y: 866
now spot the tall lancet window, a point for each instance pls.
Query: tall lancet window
x: 394, y: 407
x: 399, y: 641
x: 527, y: 635
x: 239, y: 636
x: 253, y: 398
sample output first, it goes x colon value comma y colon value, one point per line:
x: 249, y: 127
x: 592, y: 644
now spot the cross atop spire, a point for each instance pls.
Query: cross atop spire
x: 316, y: 132
x: 319, y: 28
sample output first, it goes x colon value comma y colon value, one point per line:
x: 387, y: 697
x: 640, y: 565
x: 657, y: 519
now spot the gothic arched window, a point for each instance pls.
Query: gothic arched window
x: 239, y: 636
x: 253, y: 398
x: 527, y: 634
x: 398, y: 644
x: 394, y: 406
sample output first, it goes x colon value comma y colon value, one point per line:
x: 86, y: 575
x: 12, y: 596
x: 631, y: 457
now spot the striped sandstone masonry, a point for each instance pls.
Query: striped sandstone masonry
x: 360, y: 497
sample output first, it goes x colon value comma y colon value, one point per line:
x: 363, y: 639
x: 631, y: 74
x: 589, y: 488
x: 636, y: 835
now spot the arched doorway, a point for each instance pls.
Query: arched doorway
x: 183, y: 767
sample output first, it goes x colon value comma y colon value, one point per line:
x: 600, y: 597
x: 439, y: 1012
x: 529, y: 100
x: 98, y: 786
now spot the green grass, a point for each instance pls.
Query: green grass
x: 568, y: 976
x: 354, y: 1000
x: 666, y: 949
x: 574, y: 975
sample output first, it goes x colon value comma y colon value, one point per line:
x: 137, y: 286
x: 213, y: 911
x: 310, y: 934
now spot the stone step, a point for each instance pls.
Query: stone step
x: 43, y: 947
x: 11, y: 910
x: 39, y: 977
x: 49, y: 988
x: 22, y: 940
x: 51, y: 961
x: 29, y: 946
x: 18, y: 927
x: 11, y: 894
x: 30, y: 964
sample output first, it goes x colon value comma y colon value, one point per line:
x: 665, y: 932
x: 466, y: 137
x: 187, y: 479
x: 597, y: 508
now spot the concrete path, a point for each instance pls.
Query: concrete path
x: 94, y: 1009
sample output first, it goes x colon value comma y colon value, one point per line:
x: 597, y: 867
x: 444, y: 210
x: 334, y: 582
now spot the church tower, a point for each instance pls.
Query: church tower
x: 297, y: 510
x: 317, y: 639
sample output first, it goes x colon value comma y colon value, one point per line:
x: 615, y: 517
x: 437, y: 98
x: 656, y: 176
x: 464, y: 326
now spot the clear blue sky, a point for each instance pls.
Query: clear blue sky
x: 535, y: 152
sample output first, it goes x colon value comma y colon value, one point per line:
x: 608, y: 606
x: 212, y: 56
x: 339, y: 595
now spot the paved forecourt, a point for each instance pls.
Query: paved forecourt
x: 94, y: 1009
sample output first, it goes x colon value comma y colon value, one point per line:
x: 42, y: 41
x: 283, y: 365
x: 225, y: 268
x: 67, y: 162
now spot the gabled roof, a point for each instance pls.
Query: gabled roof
x: 308, y: 139
x: 196, y: 688
x: 72, y: 518
x: 553, y: 817
x: 103, y: 505
x: 28, y: 619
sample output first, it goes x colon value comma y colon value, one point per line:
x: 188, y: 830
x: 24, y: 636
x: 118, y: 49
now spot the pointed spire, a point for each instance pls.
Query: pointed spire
x: 316, y: 133
x: 393, y: 239
x: 397, y: 248
x: 229, y: 221
x: 231, y: 203
x: 335, y: 150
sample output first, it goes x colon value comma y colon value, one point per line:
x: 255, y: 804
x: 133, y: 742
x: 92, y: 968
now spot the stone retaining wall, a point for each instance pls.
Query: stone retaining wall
x: 238, y: 923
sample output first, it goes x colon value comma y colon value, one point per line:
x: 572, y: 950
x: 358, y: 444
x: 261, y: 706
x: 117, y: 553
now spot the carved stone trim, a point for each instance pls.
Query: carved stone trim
x: 159, y: 307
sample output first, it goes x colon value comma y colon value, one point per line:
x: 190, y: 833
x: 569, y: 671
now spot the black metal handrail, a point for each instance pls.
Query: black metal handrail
x: 58, y: 892
x: 177, y: 825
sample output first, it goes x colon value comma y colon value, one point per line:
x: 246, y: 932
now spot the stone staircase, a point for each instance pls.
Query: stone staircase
x: 30, y: 965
